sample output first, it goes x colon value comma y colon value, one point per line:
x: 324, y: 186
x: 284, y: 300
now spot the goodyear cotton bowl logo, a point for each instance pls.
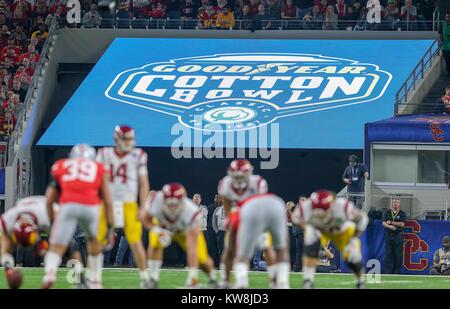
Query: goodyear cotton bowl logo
x: 242, y: 91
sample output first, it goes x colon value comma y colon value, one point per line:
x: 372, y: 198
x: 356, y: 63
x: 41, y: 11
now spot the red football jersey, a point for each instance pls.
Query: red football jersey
x: 80, y: 181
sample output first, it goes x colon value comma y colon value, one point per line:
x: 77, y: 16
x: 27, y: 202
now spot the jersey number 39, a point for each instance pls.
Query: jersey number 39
x: 84, y: 171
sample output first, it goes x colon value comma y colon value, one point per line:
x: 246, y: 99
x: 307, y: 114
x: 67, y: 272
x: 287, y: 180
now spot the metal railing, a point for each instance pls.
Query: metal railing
x: 28, y: 101
x: 416, y: 75
x: 276, y: 24
x: 423, y: 108
x: 436, y: 208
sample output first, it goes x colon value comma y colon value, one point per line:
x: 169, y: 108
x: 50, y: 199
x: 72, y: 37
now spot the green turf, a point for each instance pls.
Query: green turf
x: 175, y: 278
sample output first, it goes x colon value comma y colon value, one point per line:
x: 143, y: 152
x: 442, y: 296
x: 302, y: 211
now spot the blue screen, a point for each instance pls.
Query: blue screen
x: 302, y: 93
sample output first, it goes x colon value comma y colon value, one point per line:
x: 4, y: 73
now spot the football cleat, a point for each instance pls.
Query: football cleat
x: 48, y: 282
x: 308, y: 284
x: 360, y: 285
x: 153, y: 284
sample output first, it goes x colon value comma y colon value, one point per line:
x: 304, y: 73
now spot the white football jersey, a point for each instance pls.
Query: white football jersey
x: 124, y: 172
x: 33, y: 205
x: 189, y: 216
x: 256, y: 185
x: 342, y: 212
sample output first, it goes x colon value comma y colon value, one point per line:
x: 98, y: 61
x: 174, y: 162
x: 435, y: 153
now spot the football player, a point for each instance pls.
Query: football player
x: 22, y: 224
x: 238, y: 185
x: 257, y: 214
x: 79, y: 184
x: 128, y: 176
x: 171, y: 216
x: 326, y: 217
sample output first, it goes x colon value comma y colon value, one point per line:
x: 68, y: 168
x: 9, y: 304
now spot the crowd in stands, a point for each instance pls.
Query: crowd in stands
x: 258, y: 14
x: 23, y: 31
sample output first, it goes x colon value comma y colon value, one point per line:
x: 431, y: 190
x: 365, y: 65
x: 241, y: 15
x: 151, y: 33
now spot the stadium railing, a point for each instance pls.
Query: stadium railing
x: 277, y: 24
x: 437, y: 207
x: 14, y: 139
x: 418, y: 73
x: 421, y: 108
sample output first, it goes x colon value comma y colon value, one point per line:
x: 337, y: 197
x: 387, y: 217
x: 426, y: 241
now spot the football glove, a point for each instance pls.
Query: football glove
x: 164, y: 236
x: 352, y: 251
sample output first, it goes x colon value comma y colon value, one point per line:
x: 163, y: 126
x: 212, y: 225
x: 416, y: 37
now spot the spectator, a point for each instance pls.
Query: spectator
x: 225, y: 19
x: 140, y: 7
x: 20, y: 37
x: 442, y: 105
x: 340, y: 8
x: 444, y: 37
x: 441, y: 259
x: 221, y: 4
x: 292, y: 245
x: 331, y: 20
x: 5, y: 9
x: 322, y: 4
x: 274, y: 8
x: 42, y: 29
x: 289, y: 10
x: 218, y: 223
x: 358, y: 10
x: 157, y: 12
x: 303, y: 8
x: 207, y: 16
x: 18, y: 89
x: 197, y: 199
x: 327, y: 261
x: 253, y: 7
x: 91, y: 19
x: 40, y: 9
x: 394, y: 222
x: 187, y: 10
x: 173, y: 9
x: 408, y: 13
x: 245, y: 18
x: 313, y: 20
x: 298, y: 234
x: 211, y: 237
x: 354, y: 176
x: 392, y: 14
x: 124, y: 9
x: 260, y: 21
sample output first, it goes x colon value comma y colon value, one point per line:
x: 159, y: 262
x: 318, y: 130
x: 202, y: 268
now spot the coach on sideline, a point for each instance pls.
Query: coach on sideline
x: 394, y: 222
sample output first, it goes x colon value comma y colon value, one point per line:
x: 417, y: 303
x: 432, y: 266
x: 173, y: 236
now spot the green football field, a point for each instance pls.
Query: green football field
x: 123, y: 278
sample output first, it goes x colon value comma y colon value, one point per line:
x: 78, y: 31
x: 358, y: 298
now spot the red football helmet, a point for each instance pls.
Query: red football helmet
x: 25, y: 231
x: 174, y: 195
x: 322, y: 199
x: 125, y: 138
x: 240, y: 171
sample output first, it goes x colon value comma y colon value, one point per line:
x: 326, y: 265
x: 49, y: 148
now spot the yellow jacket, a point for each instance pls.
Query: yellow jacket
x: 225, y: 21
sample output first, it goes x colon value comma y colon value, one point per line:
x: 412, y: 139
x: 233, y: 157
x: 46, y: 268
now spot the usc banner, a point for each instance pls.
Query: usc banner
x: 422, y: 239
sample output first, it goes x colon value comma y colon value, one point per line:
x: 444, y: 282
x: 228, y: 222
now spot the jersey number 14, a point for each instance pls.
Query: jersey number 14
x: 121, y: 172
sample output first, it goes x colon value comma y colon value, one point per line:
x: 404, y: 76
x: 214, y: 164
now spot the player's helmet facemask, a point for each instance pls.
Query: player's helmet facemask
x: 240, y: 171
x: 25, y: 231
x: 322, y: 201
x: 174, y: 196
x: 125, y: 138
